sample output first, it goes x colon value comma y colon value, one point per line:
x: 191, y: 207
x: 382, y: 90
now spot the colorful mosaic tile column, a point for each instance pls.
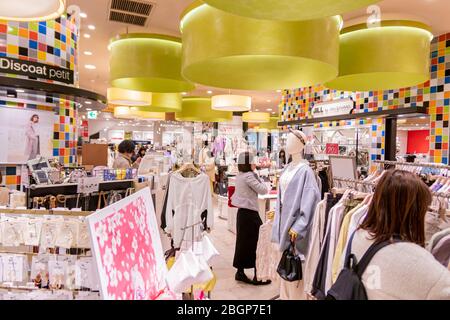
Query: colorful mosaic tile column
x: 65, y: 133
x: 437, y: 99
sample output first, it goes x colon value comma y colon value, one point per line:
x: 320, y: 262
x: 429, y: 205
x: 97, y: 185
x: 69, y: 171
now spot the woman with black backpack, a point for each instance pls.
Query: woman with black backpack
x: 386, y: 258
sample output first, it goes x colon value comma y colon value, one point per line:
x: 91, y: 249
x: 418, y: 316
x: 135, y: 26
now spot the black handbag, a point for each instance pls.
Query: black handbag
x: 290, y: 266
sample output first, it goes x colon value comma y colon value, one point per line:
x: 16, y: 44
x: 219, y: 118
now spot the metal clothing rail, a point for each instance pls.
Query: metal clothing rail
x: 413, y: 164
x: 365, y: 183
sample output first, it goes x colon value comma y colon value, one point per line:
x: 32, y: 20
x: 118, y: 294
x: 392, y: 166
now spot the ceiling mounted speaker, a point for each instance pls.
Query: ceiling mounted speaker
x: 147, y: 62
x: 126, y: 97
x: 229, y: 51
x: 230, y: 102
x: 393, y: 56
x: 256, y: 117
x: 163, y: 102
x: 198, y: 109
x: 31, y: 10
x: 288, y: 10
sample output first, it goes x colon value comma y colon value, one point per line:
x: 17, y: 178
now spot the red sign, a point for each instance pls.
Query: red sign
x: 332, y: 148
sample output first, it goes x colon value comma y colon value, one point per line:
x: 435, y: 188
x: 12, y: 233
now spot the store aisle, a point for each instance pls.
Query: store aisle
x: 227, y: 288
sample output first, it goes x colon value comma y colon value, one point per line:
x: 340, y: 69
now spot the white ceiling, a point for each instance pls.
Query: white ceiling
x: 165, y: 19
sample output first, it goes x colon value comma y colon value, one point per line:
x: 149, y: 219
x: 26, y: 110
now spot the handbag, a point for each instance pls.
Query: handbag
x: 290, y: 266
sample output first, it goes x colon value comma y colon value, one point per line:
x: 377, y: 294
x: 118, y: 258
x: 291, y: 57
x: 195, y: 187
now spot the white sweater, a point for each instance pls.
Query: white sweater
x: 188, y: 198
x: 403, y: 271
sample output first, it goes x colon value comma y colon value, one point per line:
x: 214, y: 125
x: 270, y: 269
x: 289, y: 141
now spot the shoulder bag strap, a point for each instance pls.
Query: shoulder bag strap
x: 365, y: 260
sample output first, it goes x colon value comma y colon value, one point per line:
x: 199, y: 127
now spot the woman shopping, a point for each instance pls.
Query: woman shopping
x: 404, y: 269
x: 248, y: 187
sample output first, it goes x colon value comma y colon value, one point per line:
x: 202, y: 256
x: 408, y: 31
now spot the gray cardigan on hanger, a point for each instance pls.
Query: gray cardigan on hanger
x: 302, y: 196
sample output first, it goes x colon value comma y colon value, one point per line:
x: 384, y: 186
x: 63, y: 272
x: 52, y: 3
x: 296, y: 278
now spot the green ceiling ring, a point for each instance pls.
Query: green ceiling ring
x: 289, y: 10
x: 147, y: 62
x: 229, y: 51
x: 164, y: 102
x: 393, y: 56
x: 198, y: 109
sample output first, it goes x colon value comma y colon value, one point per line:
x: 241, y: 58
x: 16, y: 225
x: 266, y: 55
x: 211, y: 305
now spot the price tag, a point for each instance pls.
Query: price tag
x: 88, y: 185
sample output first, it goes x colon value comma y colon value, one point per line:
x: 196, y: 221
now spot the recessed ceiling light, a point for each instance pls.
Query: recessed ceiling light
x: 83, y: 15
x: 88, y: 102
x: 90, y: 66
x: 184, y: 93
x: 273, y: 112
x: 209, y: 92
x: 257, y: 110
x: 423, y: 117
x: 91, y: 27
x: 88, y: 53
x: 20, y: 90
x: 278, y: 91
x: 88, y: 109
x: 87, y: 35
x: 269, y: 101
x: 269, y: 109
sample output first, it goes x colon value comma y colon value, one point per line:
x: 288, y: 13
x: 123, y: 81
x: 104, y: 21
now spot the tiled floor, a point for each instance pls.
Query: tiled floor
x: 227, y: 288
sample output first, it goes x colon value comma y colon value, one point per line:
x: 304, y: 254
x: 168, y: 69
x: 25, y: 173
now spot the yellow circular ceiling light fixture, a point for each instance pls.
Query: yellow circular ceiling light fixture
x: 229, y: 51
x: 31, y: 10
x: 256, y: 117
x: 148, y: 115
x: 126, y: 97
x: 123, y: 112
x: 393, y: 56
x: 271, y: 125
x: 147, y: 62
x: 163, y: 102
x: 231, y: 102
x: 288, y: 10
x: 198, y: 109
x: 134, y: 113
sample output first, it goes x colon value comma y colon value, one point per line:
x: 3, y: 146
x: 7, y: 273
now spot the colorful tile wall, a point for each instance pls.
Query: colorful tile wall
x: 434, y: 94
x: 53, y: 42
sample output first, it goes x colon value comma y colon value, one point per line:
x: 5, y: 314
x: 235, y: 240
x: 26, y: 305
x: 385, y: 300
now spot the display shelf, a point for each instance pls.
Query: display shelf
x: 407, y: 112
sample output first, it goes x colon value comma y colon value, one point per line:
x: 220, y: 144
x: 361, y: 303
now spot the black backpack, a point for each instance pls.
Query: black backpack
x: 349, y: 285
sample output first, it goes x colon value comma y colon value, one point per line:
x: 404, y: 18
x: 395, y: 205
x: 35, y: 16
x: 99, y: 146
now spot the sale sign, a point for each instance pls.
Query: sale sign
x: 332, y: 148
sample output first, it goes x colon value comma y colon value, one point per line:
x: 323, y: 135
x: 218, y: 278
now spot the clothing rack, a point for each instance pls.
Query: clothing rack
x: 413, y: 164
x: 46, y: 212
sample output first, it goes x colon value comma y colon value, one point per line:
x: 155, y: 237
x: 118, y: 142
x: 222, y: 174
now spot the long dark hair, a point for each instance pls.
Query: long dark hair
x: 398, y: 208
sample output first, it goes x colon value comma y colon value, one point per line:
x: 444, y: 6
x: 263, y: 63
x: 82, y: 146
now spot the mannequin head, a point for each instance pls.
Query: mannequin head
x: 296, y: 142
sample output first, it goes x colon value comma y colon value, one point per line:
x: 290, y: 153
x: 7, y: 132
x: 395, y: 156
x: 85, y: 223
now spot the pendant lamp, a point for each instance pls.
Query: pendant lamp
x: 132, y: 113
x: 147, y: 62
x: 230, y: 102
x: 271, y: 125
x: 31, y: 10
x: 123, y: 113
x: 126, y: 97
x: 148, y: 115
x: 229, y: 51
x: 256, y: 117
x: 292, y: 10
x: 198, y: 109
x: 163, y: 102
x: 393, y: 56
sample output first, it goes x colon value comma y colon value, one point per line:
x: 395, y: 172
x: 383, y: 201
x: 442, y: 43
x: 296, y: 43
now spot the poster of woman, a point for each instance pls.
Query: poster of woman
x: 33, y: 144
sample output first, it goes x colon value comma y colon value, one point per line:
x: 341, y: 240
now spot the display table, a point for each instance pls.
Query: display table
x: 266, y: 203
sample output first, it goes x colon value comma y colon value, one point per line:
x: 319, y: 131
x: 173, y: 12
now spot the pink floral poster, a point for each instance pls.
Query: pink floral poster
x: 128, y: 251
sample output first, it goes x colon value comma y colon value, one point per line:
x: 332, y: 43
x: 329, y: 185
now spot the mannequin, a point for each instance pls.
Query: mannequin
x: 208, y: 162
x: 298, y: 196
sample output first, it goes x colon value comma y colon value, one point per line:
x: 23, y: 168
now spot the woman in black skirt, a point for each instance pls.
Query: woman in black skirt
x: 245, y: 197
